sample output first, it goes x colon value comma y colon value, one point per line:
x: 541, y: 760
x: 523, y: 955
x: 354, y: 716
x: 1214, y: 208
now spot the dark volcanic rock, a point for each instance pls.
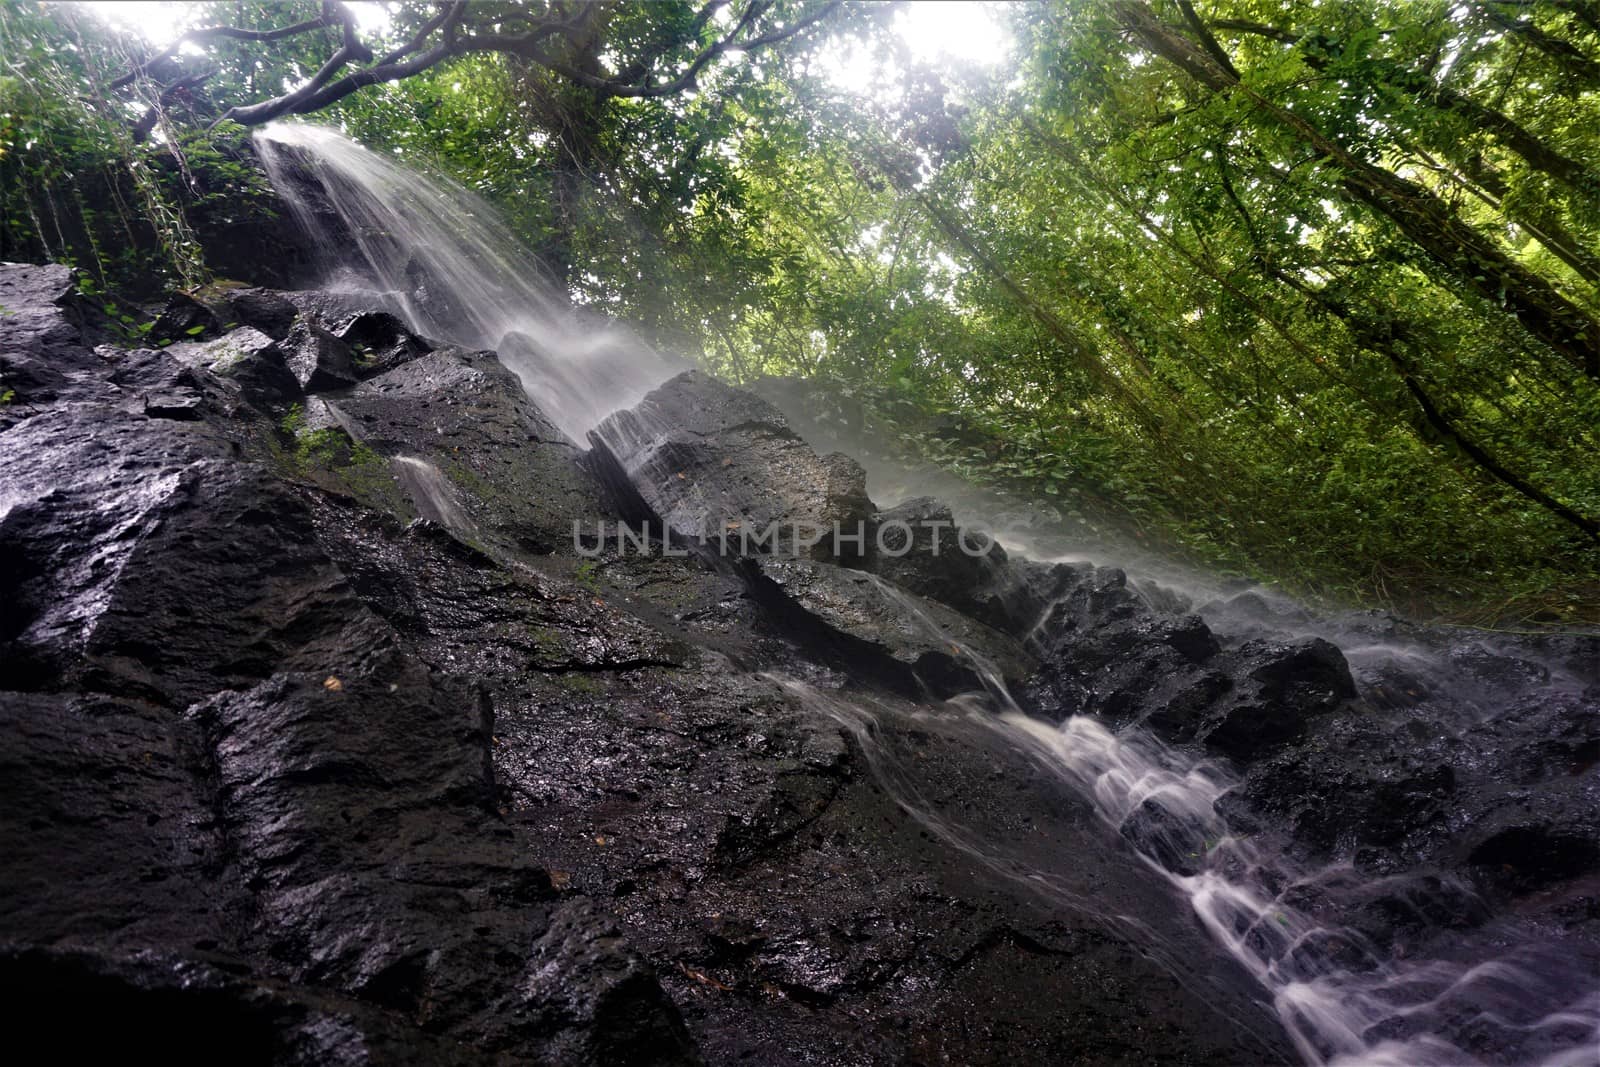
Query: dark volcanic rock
x: 1175, y: 843
x: 247, y: 357
x: 276, y: 312
x: 184, y: 319
x: 519, y: 478
x: 1108, y: 653
x: 947, y: 651
x: 267, y: 310
x: 182, y: 1010
x: 917, y: 546
x: 1505, y: 801
x: 295, y: 777
x: 607, y: 998
x: 319, y: 361
x: 385, y: 777
x: 43, y: 359
x: 1278, y: 689
x: 81, y: 489
x: 326, y: 745
x: 105, y: 807
x: 718, y: 463
x: 380, y: 342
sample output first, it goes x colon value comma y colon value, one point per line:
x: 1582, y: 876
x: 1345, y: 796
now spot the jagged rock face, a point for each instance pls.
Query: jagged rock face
x: 1108, y: 653
x: 324, y: 733
x: 466, y: 415
x: 245, y: 356
x: 44, y: 360
x: 715, y: 462
x: 918, y: 546
x: 945, y: 650
x: 292, y: 771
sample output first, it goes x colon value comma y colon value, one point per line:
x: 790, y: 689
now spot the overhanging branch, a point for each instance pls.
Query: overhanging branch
x: 456, y: 29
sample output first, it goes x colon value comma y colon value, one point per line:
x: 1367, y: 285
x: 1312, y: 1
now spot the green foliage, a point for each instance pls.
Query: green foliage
x: 81, y: 187
x: 1321, y: 322
x: 586, y: 575
x: 1172, y: 298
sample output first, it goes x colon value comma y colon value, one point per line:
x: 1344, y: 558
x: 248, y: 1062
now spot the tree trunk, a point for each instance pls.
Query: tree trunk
x: 1372, y: 338
x: 1574, y: 63
x: 1502, y: 127
x: 1474, y: 260
x: 1545, y: 227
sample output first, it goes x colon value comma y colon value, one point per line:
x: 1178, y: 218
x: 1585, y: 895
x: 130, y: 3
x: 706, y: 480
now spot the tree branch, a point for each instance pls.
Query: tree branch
x: 1208, y: 41
x: 1566, y: 55
x: 453, y: 31
x: 213, y: 32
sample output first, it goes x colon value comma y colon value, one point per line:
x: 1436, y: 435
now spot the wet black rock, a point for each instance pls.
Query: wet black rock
x: 717, y: 463
x: 326, y: 744
x: 1107, y: 652
x: 874, y: 620
x: 295, y: 776
x: 265, y: 309
x: 250, y: 359
x: 183, y: 1009
x: 319, y: 361
x: 183, y: 319
x: 1278, y: 688
x: 44, y: 359
x: 1497, y: 672
x: 275, y: 312
x: 918, y: 546
x: 379, y: 342
x: 166, y: 388
x: 514, y: 474
x: 1174, y: 842
x: 1507, y: 801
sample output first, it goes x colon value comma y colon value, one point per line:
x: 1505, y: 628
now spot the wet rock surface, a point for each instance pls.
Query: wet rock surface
x: 513, y: 473
x: 325, y: 741
x: 292, y: 765
x: 872, y: 619
x: 715, y: 462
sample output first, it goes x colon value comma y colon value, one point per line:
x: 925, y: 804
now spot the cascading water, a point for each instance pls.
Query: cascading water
x: 456, y: 273
x: 428, y: 486
x: 1507, y: 994
x: 1337, y: 996
x: 1498, y: 994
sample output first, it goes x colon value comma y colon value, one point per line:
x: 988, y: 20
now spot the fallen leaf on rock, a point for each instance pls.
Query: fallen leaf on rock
x: 703, y: 979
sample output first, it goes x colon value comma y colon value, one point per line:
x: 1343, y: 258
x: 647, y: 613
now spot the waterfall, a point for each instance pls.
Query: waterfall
x: 1500, y: 994
x: 456, y: 272
x: 433, y: 495
x: 1504, y: 994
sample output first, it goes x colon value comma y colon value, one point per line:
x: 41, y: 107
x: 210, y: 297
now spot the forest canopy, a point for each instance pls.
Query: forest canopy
x: 1292, y: 290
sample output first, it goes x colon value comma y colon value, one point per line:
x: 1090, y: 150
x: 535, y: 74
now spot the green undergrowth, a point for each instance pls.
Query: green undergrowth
x: 1384, y: 536
x: 329, y: 458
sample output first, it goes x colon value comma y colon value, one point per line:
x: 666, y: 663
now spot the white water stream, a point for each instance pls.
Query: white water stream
x: 1505, y: 996
x: 452, y: 265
